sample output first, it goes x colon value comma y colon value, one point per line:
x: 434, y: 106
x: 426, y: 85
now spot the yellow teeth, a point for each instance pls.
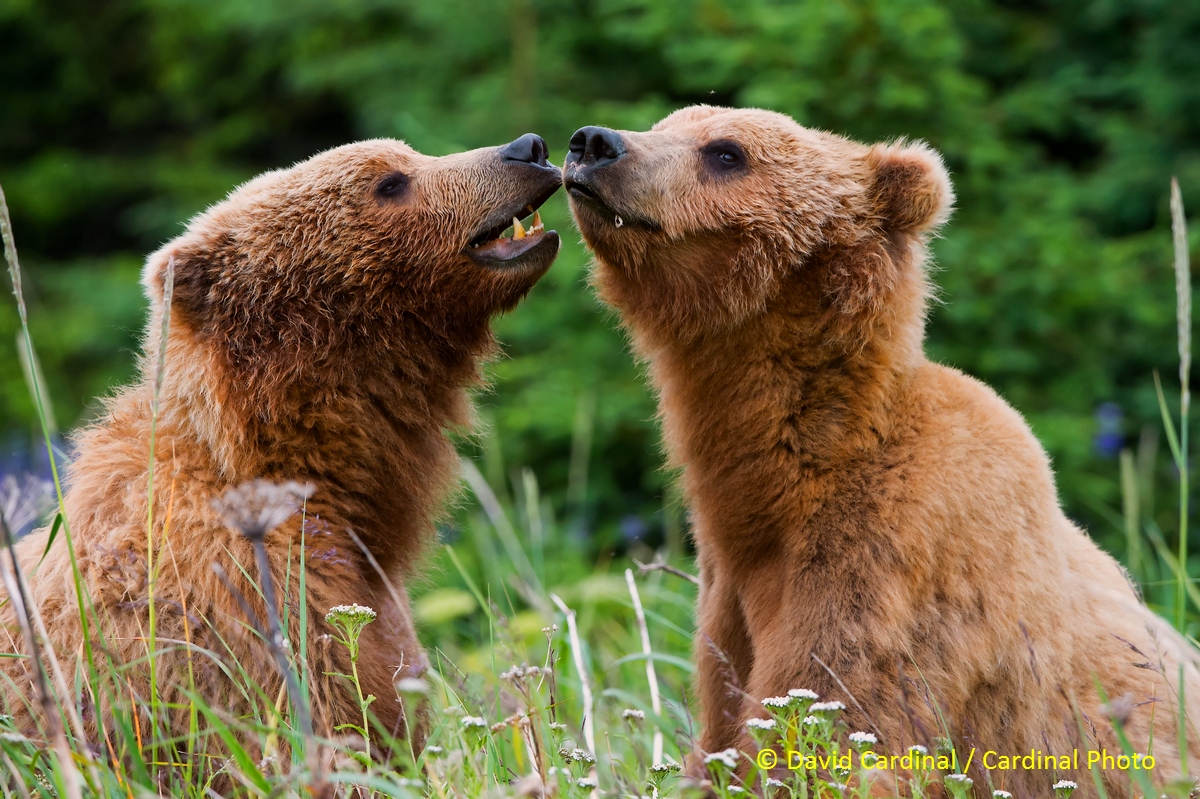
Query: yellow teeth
x: 536, y: 226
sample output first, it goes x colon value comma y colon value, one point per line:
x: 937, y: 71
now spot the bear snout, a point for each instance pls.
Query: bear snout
x: 594, y: 146
x: 528, y: 149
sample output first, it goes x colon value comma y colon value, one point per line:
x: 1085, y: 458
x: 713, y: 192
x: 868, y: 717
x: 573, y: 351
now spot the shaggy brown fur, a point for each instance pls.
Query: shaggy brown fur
x: 325, y: 324
x: 853, y: 502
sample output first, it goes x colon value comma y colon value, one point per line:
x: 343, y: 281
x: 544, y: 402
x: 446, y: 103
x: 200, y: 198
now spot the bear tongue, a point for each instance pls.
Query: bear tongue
x: 508, y: 249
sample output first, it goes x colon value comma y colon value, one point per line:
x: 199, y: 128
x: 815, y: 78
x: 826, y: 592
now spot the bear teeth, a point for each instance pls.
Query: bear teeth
x: 519, y: 231
x: 536, y: 226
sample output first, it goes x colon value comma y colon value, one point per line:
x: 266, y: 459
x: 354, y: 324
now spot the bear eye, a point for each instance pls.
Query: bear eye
x: 724, y: 156
x: 392, y: 185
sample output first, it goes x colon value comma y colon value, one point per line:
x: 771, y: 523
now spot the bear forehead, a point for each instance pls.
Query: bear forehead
x: 700, y: 117
x: 764, y: 133
x: 306, y: 193
x: 348, y: 163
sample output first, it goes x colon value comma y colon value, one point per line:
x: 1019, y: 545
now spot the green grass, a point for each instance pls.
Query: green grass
x: 540, y: 671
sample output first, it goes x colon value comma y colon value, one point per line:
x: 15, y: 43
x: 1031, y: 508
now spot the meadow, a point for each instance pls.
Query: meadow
x: 1061, y: 123
x: 552, y: 674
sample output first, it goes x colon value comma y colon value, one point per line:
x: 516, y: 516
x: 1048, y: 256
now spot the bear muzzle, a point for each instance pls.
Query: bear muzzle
x: 532, y: 180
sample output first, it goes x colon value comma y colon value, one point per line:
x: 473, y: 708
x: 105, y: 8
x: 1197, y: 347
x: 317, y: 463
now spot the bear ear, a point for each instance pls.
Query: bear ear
x: 191, y: 278
x: 911, y: 187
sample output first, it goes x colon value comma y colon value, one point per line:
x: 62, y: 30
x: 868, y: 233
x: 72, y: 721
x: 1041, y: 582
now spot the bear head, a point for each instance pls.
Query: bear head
x: 365, y: 252
x: 701, y: 223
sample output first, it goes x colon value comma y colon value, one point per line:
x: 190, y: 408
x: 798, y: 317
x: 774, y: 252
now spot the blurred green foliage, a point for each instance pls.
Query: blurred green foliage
x: 1061, y: 122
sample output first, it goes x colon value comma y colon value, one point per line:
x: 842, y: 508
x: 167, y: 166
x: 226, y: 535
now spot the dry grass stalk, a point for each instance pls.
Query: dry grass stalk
x: 15, y: 585
x: 255, y: 509
x: 651, y: 677
x: 589, y: 722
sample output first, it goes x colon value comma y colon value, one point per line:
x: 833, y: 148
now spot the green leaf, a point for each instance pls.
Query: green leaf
x: 54, y: 527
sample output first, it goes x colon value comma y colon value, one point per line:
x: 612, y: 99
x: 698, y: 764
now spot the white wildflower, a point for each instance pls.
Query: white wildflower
x: 802, y: 693
x: 523, y: 672
x: 863, y: 738
x: 998, y: 794
x: 917, y: 749
x: 760, y: 724
x: 959, y: 785
x: 726, y: 757
x: 777, y: 702
x: 474, y: 723
x: 632, y: 714
x: 827, y: 707
x: 353, y: 613
x: 1064, y: 785
x: 588, y: 782
x: 576, y: 755
x: 412, y: 685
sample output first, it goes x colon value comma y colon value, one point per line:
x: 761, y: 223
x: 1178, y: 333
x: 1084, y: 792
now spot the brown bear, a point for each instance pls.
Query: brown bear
x: 326, y: 322
x: 871, y: 526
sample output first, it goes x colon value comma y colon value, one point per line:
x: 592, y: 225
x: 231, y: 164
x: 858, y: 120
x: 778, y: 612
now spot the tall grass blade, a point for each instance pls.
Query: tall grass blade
x: 533, y: 519
x: 1168, y: 423
x: 82, y: 599
x: 35, y: 381
x: 13, y: 583
x: 581, y: 452
x: 1130, y: 502
x: 1183, y: 318
x: 651, y: 677
x: 151, y: 570
x: 504, y: 529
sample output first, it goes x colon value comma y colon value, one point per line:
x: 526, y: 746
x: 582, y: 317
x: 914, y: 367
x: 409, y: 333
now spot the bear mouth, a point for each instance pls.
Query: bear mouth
x: 584, y: 195
x: 507, y: 243
x: 579, y: 190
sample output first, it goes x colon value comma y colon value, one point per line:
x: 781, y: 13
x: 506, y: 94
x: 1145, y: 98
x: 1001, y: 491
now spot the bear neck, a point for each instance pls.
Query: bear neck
x: 368, y: 427
x: 778, y: 408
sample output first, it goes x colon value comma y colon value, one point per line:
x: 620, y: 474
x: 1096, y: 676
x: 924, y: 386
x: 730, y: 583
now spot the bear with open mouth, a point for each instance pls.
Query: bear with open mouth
x: 326, y: 321
x: 871, y: 526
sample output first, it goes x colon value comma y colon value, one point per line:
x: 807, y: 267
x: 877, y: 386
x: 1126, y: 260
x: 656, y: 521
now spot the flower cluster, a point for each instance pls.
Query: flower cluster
x: 349, y: 620
x: 259, y: 506
x: 577, y: 755
x: 726, y: 757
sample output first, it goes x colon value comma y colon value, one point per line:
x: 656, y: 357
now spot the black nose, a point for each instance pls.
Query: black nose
x: 596, y: 146
x: 529, y: 149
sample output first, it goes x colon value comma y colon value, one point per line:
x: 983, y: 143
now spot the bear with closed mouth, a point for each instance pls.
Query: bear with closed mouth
x: 871, y: 526
x: 326, y: 322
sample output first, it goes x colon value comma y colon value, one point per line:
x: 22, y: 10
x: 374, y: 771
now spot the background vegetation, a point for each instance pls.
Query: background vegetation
x: 1062, y: 123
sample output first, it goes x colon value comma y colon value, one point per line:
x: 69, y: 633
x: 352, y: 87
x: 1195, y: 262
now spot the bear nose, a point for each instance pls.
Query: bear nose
x: 596, y: 146
x: 529, y: 149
